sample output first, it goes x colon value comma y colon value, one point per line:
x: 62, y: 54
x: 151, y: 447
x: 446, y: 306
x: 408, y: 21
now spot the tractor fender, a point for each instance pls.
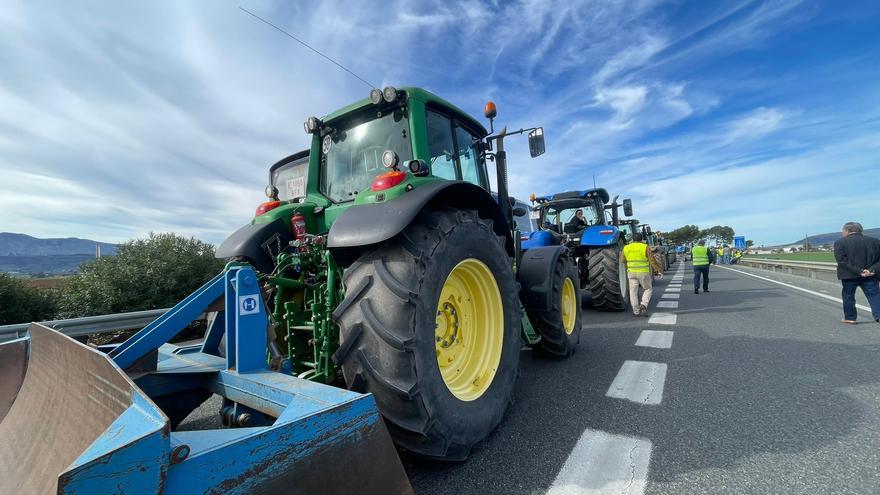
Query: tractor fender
x: 260, y: 243
x: 535, y: 276
x: 600, y: 236
x: 363, y: 226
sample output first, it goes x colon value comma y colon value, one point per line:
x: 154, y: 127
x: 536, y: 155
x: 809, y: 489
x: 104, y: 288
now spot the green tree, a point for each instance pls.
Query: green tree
x: 22, y: 303
x: 683, y: 235
x: 749, y: 243
x: 722, y: 232
x: 155, y: 272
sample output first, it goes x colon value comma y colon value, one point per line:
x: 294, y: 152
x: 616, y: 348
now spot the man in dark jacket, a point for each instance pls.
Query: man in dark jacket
x: 858, y: 265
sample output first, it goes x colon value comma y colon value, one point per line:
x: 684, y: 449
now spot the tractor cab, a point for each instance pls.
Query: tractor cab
x: 574, y: 218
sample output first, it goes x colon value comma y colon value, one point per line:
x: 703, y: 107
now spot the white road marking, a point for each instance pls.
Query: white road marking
x: 663, y: 319
x: 640, y: 382
x: 673, y: 289
x: 660, y: 339
x: 795, y: 287
x: 602, y: 463
x: 667, y: 304
x: 671, y: 295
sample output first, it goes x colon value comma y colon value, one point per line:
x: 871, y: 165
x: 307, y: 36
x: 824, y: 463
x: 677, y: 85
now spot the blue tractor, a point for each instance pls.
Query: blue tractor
x: 585, y: 222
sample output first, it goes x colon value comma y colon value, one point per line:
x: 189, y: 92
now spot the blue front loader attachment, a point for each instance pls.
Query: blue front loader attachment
x: 74, y: 419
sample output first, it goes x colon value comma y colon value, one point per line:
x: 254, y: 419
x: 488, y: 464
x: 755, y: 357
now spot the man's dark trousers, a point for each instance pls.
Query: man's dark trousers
x: 870, y: 286
x: 704, y: 271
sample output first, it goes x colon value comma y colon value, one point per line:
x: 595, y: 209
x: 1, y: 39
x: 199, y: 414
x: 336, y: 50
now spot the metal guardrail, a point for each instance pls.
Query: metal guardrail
x: 812, y: 264
x: 78, y: 327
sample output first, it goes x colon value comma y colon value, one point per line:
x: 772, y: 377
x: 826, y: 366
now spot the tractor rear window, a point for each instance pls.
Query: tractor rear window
x: 352, y: 156
x: 290, y: 179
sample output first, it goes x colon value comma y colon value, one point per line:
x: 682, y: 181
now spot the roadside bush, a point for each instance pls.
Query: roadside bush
x: 22, y: 303
x: 156, y: 272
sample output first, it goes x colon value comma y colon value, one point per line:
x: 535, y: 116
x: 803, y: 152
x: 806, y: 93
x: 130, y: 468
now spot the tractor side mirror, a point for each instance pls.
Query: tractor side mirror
x: 519, y: 211
x: 536, y: 142
x: 648, y: 230
x: 628, y: 207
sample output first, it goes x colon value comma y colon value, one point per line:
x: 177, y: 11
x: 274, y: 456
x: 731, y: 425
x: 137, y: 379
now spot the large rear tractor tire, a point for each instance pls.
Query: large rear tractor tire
x: 430, y: 326
x: 560, y: 327
x: 608, y: 283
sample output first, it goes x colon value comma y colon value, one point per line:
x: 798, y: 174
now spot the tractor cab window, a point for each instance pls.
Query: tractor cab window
x: 468, y: 155
x: 441, y: 146
x: 454, y: 151
x: 291, y: 179
x: 351, y: 156
x: 627, y: 230
x: 524, y: 223
x: 560, y: 218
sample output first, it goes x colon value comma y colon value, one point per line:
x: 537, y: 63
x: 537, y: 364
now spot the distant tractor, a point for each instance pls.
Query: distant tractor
x: 594, y: 238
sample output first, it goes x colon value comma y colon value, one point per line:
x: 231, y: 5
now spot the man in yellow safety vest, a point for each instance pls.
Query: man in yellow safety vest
x: 640, y: 263
x: 701, y: 266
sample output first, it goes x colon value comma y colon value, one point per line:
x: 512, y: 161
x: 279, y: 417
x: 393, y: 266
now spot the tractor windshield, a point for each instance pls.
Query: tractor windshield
x: 561, y: 217
x: 351, y: 156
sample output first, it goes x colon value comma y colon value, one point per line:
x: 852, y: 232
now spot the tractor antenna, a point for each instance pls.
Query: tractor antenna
x: 594, y: 181
x: 303, y: 43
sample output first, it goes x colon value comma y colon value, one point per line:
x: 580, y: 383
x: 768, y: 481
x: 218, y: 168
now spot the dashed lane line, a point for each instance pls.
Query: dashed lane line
x: 795, y: 287
x: 640, y: 382
x: 667, y: 304
x: 659, y: 339
x: 602, y: 463
x: 671, y: 295
x: 673, y: 289
x: 663, y: 319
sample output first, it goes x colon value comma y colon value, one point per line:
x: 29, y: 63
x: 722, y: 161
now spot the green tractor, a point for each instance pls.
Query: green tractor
x: 388, y: 266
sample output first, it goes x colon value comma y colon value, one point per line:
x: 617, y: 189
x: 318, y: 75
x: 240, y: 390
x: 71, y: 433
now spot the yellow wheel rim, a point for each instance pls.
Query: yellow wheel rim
x: 469, y: 331
x: 569, y: 306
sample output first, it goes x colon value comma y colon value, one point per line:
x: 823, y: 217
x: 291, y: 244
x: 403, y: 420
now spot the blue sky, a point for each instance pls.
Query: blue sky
x: 120, y: 118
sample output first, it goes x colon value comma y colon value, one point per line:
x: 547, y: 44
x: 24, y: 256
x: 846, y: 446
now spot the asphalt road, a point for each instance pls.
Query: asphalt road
x: 761, y: 390
x: 764, y: 392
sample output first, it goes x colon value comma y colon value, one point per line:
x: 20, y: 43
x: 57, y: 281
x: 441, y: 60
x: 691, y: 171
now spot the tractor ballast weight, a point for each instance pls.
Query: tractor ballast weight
x: 86, y: 421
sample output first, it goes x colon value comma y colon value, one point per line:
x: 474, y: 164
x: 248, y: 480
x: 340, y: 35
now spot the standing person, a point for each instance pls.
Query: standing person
x: 726, y: 258
x: 700, y: 255
x: 640, y: 263
x: 858, y: 265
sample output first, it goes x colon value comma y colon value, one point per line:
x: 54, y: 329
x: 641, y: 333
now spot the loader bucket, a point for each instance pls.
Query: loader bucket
x: 13, y: 362
x: 79, y: 424
x: 69, y: 395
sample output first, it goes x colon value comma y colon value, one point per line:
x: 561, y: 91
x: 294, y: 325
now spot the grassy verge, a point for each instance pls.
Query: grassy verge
x: 822, y: 256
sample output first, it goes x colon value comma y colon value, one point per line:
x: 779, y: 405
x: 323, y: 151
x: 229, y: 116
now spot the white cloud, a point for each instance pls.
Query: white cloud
x: 170, y: 122
x: 758, y: 123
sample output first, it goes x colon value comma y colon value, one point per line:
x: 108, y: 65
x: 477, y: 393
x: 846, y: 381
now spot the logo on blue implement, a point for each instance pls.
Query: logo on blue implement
x: 248, y: 305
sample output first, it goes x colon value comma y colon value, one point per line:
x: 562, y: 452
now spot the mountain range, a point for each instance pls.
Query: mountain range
x: 829, y: 238
x: 28, y: 255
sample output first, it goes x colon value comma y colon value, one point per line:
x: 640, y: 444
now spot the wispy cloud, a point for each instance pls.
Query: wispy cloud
x: 118, y: 119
